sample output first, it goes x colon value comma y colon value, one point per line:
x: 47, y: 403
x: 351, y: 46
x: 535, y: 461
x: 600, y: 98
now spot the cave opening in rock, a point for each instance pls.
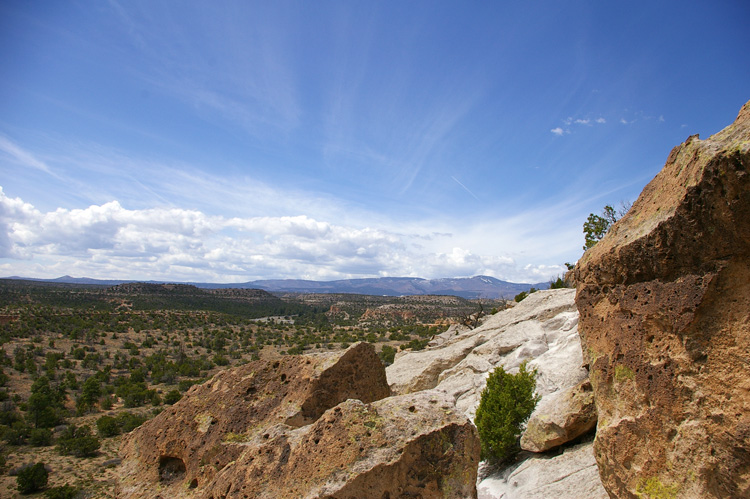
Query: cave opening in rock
x: 171, y: 469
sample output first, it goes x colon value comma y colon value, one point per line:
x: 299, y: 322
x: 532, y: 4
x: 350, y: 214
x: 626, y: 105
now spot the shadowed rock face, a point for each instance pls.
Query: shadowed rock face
x: 303, y: 426
x: 664, y: 303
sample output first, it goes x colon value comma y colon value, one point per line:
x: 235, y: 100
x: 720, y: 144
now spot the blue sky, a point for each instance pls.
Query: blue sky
x: 232, y: 141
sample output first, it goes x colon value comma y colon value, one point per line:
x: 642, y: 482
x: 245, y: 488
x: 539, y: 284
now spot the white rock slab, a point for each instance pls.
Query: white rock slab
x: 573, y: 475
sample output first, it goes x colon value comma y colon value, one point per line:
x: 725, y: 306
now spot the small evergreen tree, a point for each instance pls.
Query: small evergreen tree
x: 32, y: 478
x: 505, y: 405
x: 45, y: 405
x: 78, y: 442
x: 107, y: 426
x: 557, y: 284
x: 596, y: 226
x: 172, y: 397
x: 40, y: 437
x: 387, y: 355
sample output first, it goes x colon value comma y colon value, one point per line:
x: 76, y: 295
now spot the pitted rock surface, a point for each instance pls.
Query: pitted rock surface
x: 664, y: 301
x: 415, y: 445
x: 187, y: 442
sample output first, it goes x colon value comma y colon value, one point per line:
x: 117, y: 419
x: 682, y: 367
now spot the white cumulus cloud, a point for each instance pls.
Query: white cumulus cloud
x: 112, y: 241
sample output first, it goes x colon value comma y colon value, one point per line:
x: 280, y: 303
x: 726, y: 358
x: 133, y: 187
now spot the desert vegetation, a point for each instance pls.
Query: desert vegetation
x: 82, y: 365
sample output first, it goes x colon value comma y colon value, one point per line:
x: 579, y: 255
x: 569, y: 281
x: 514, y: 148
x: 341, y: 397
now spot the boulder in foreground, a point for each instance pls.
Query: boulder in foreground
x: 408, y: 446
x: 560, y: 418
x: 303, y: 426
x: 187, y: 440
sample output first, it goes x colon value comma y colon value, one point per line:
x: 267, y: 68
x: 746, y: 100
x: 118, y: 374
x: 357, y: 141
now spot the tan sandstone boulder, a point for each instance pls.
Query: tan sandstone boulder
x: 186, y: 442
x: 664, y: 303
x: 559, y: 418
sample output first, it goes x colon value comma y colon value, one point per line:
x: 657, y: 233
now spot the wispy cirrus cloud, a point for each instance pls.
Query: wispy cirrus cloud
x: 570, y: 122
x: 21, y: 156
x: 250, y: 83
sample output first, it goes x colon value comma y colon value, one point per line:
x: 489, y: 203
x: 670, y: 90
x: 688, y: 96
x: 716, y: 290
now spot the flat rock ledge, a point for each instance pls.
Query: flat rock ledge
x: 572, y: 474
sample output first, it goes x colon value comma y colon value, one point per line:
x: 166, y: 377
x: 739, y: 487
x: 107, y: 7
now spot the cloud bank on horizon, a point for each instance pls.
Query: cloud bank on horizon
x: 243, y: 140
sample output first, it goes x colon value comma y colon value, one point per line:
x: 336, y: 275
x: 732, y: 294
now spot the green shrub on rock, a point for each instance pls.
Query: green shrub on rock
x: 505, y: 405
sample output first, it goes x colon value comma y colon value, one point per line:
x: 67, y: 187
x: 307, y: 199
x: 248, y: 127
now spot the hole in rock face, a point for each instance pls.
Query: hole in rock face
x: 193, y: 483
x: 171, y: 469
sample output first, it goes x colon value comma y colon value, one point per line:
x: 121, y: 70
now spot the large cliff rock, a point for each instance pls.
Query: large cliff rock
x: 664, y: 300
x: 302, y: 426
x: 238, y: 403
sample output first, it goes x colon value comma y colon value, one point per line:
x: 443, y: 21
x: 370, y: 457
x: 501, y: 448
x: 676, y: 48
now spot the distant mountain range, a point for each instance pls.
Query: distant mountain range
x: 465, y: 287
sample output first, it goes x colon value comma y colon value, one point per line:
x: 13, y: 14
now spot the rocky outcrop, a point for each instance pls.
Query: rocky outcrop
x: 453, y: 331
x: 303, y: 426
x: 560, y: 417
x: 542, y: 329
x: 664, y: 300
x: 239, y: 403
x: 408, y: 446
